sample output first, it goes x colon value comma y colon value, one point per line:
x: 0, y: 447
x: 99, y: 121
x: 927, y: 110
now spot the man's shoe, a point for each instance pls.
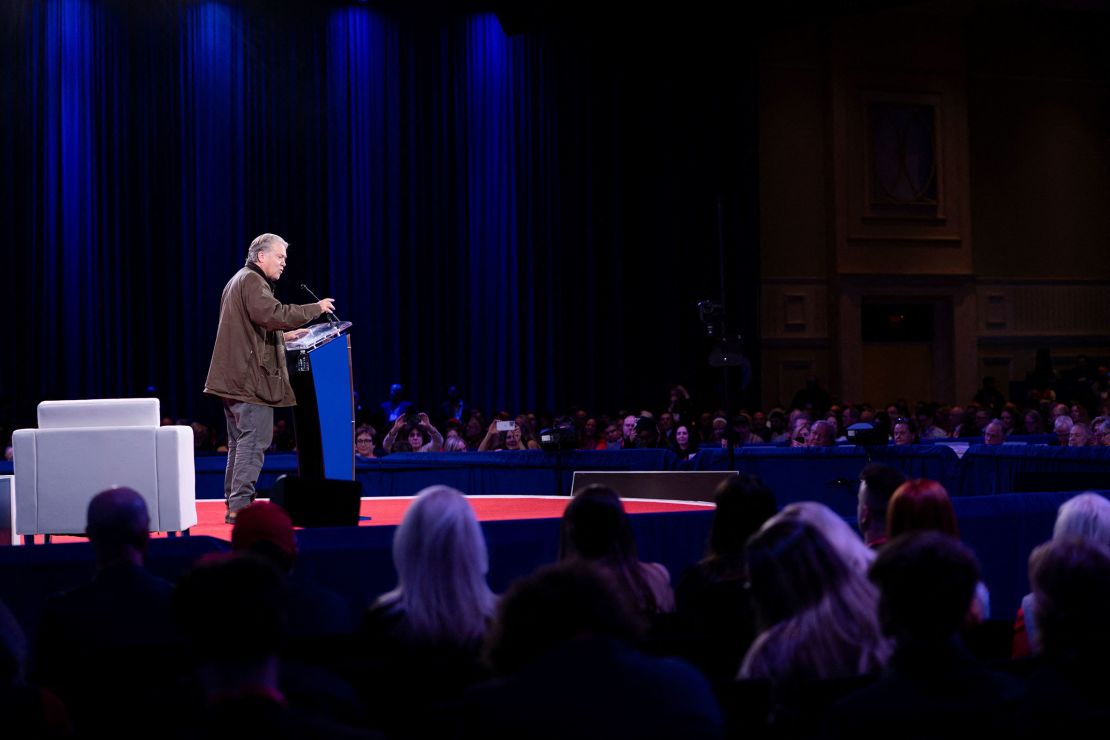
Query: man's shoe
x: 229, y: 518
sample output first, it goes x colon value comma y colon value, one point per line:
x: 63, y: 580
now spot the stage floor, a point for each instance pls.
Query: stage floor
x: 388, y: 510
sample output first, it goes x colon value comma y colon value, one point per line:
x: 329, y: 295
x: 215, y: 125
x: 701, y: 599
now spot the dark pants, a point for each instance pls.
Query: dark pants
x: 250, y: 429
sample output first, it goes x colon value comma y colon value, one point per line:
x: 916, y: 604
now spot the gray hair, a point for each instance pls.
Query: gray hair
x: 441, y: 560
x: 1085, y: 517
x: 263, y: 242
x: 844, y: 540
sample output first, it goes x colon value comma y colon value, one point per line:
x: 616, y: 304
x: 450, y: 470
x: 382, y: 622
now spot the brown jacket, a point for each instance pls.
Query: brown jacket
x: 248, y: 361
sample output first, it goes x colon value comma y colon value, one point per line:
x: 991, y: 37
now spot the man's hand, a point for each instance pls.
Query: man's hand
x: 327, y: 305
x: 290, y: 336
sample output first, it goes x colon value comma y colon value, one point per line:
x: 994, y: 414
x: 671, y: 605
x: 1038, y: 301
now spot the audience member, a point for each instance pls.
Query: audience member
x: 473, y: 432
x: 776, y: 422
x: 588, y: 435
x: 1079, y: 436
x: 684, y: 444
x: 1033, y: 422
x: 422, y: 640
x: 647, y: 434
x: 416, y: 435
x: 714, y: 607
x: 932, y: 686
x: 453, y: 406
x: 926, y: 426
x: 821, y: 434
x: 1083, y: 517
x: 1070, y: 694
x: 993, y: 433
x: 905, y: 432
x: 236, y: 656
x: 94, y: 642
x: 923, y: 505
x: 567, y: 626
x: 834, y: 529
x: 454, y: 444
x: 613, y: 440
x: 628, y: 431
x: 364, y: 442
x: 799, y: 432
x: 877, y: 483
x: 818, y: 616
x: 1061, y: 427
x: 266, y: 530
x: 395, y: 407
x: 595, y: 529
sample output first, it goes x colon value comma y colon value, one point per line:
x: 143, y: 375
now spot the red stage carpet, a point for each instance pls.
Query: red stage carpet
x: 389, y: 510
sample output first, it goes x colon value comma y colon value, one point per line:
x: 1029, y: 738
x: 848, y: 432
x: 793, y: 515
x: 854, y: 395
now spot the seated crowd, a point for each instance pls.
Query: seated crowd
x: 794, y: 624
x: 812, y: 419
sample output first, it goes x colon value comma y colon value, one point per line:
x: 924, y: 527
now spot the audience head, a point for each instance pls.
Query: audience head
x: 441, y: 560
x: 628, y: 429
x: 1062, y: 429
x: 683, y: 438
x: 993, y: 433
x: 596, y: 527
x: 920, y: 504
x: 1084, y: 517
x: 612, y: 434
x: 646, y: 433
x: 1071, y: 590
x: 118, y: 526
x: 364, y: 441
x: 926, y: 581
x: 835, y: 530
x: 454, y: 444
x: 821, y: 434
x: 1079, y: 436
x: 904, y: 432
x: 1033, y: 423
x: 415, y: 437
x: 554, y: 605
x: 250, y: 594
x: 877, y: 483
x: 744, y: 504
x: 791, y: 566
x: 265, y: 529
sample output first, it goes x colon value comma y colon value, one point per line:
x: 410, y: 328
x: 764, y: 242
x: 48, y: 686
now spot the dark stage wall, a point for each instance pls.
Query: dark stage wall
x: 532, y: 217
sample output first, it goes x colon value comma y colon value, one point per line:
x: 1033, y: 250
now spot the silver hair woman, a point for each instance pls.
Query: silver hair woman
x: 819, y: 616
x: 1085, y: 517
x: 842, y: 537
x: 441, y: 560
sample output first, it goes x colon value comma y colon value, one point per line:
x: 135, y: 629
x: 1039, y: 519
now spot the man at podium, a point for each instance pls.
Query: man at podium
x: 248, y: 371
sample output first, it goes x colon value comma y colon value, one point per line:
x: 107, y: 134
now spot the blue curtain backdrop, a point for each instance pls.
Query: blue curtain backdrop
x: 530, y: 217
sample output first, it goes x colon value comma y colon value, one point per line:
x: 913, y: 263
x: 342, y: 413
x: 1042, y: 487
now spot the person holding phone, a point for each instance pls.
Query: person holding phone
x: 415, y: 433
x: 503, y: 435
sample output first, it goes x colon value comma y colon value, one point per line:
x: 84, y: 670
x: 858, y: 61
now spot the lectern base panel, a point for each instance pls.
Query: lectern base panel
x: 318, y: 502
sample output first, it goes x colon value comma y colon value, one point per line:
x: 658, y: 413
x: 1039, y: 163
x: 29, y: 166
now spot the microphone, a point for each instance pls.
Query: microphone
x: 331, y: 317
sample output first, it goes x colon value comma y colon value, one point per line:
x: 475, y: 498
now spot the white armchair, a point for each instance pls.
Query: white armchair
x: 83, y: 447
